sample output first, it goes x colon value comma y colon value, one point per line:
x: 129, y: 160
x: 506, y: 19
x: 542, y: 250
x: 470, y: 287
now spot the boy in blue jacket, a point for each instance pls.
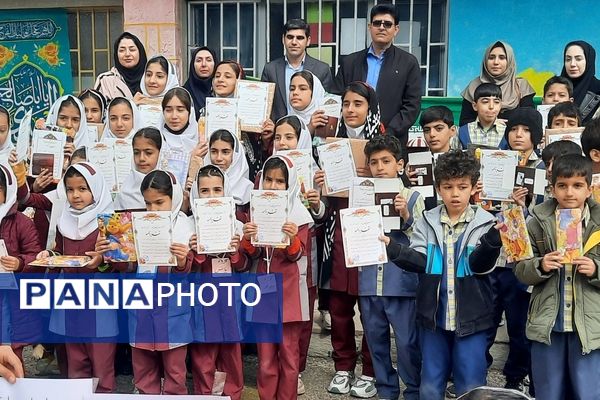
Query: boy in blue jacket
x: 453, y: 247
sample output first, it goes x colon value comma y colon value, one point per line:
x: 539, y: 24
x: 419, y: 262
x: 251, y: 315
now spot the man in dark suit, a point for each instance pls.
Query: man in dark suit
x: 393, y: 72
x: 296, y: 39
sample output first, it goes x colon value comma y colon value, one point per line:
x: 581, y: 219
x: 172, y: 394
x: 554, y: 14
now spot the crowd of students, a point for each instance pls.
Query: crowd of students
x: 447, y: 283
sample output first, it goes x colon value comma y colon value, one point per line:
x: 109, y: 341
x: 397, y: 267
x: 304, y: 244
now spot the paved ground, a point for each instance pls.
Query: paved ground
x: 319, y: 370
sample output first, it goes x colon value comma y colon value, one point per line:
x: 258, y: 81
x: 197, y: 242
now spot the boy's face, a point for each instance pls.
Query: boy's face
x: 487, y: 109
x: 438, y: 135
x: 562, y: 121
x: 571, y: 192
x: 519, y: 138
x: 556, y: 93
x: 383, y: 164
x: 456, y: 193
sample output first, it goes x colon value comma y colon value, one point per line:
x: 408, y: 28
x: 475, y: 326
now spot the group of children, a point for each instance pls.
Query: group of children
x: 443, y: 290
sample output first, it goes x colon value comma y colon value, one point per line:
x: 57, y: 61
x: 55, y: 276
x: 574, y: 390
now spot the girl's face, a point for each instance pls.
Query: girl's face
x: 69, y: 117
x: 120, y: 119
x: 210, y: 186
x: 93, y: 110
x: 4, y: 128
x: 285, y: 138
x: 79, y: 194
x: 300, y: 93
x: 221, y: 154
x: 575, y: 61
x: 157, y: 201
x: 204, y: 64
x: 128, y: 53
x: 176, y: 114
x: 145, y: 155
x: 274, y: 179
x: 224, y: 80
x: 496, y: 62
x: 155, y: 79
x: 2, y: 195
x: 354, y: 109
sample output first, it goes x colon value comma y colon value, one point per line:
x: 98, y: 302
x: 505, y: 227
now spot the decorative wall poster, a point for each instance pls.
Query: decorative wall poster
x: 35, y: 61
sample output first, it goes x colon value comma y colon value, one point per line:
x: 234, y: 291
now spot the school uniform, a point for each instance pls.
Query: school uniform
x: 475, y: 133
x: 387, y: 297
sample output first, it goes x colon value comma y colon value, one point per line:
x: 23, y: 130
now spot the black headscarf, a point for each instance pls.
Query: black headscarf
x: 199, y: 88
x: 587, y: 82
x: 131, y: 76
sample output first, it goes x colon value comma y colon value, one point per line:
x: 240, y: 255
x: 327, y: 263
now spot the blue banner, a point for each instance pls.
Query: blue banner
x: 35, y: 61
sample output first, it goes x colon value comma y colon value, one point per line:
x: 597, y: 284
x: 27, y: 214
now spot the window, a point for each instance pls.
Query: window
x: 91, y: 36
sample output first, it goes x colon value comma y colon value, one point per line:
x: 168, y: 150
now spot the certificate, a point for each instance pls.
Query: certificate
x: 572, y: 134
x: 303, y: 162
x: 150, y: 115
x: 498, y: 174
x: 123, y: 150
x: 255, y: 100
x: 24, y: 137
x: 331, y: 105
x: 422, y: 164
x: 215, y: 224
x: 544, y: 109
x: 50, y: 147
x: 176, y: 161
x: 362, y: 192
x: 361, y: 229
x: 153, y: 237
x: 102, y: 155
x: 221, y: 113
x: 337, y: 162
x: 269, y: 210
x: 95, y: 132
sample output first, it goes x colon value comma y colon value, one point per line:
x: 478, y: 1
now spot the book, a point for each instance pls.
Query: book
x: 62, y: 262
x: 514, y: 235
x: 569, y: 237
x: 118, y: 230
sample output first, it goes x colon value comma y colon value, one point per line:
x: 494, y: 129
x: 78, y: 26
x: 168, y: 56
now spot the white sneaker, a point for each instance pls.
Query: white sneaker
x: 363, y: 387
x: 326, y: 319
x: 301, y: 390
x: 340, y: 384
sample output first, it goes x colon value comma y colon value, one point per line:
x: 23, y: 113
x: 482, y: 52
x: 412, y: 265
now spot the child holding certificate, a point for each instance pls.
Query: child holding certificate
x: 95, y: 105
x: 180, y: 128
x: 208, y: 357
x: 278, y: 363
x: 147, y: 143
x: 123, y: 119
x: 387, y: 294
x: 561, y: 321
x: 453, y: 247
x: 159, y: 77
x: 87, y: 196
x: 69, y: 112
x: 306, y: 94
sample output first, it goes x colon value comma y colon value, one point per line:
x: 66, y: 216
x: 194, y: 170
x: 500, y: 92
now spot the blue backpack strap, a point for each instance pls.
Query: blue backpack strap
x: 463, y: 136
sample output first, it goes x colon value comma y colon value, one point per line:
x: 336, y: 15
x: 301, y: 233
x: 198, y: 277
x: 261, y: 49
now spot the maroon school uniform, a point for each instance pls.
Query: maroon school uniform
x: 42, y: 207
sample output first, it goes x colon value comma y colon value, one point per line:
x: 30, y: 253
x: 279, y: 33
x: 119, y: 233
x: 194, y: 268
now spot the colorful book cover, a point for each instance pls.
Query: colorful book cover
x: 569, y: 239
x: 514, y: 235
x: 596, y: 187
x: 62, y: 262
x: 118, y: 230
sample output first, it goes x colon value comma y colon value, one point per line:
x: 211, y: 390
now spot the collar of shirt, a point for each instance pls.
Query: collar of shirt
x: 288, y: 65
x: 494, y: 125
x: 371, y: 53
x: 466, y: 217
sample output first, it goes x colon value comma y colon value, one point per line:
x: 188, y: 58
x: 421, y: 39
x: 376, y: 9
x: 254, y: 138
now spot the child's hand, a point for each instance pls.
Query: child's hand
x: 401, y: 206
x: 585, y: 266
x: 268, y: 129
x: 500, y: 226
x: 314, y: 199
x: 69, y: 149
x: 519, y: 194
x: 551, y: 261
x: 320, y: 178
x: 180, y: 251
x: 42, y: 254
x: 290, y: 229
x: 193, y: 243
x: 40, y: 123
x: 42, y: 181
x: 363, y: 171
x: 318, y: 119
x: 385, y: 239
x: 10, y: 263
x: 411, y: 174
x: 102, y: 245
x: 12, y: 157
x: 250, y: 230
x: 235, y: 243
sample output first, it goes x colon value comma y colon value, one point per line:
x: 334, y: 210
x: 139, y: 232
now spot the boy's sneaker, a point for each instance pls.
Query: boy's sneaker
x: 301, y: 390
x: 340, y: 384
x: 363, y: 387
x: 451, y: 391
x: 326, y: 320
x: 516, y: 384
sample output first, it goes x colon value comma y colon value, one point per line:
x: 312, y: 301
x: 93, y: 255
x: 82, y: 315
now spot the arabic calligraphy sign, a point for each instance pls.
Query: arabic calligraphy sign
x: 35, y: 62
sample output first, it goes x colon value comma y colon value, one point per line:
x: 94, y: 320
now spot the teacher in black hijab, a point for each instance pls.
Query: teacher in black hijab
x: 199, y: 83
x: 580, y: 67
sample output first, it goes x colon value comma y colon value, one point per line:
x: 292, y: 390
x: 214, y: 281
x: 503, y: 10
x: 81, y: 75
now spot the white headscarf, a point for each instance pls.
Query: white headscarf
x: 183, y: 226
x: 79, y: 224
x: 81, y: 137
x: 318, y: 93
x: 298, y: 213
x: 304, y: 140
x: 137, y: 121
x: 11, y: 190
x: 188, y: 139
x: 172, y: 80
x: 194, y: 194
x: 237, y: 173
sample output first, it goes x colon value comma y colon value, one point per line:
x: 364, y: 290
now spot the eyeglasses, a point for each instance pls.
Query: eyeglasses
x: 379, y: 22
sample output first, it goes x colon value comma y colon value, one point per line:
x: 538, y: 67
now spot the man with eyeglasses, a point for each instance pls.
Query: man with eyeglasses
x: 296, y: 38
x: 393, y: 73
